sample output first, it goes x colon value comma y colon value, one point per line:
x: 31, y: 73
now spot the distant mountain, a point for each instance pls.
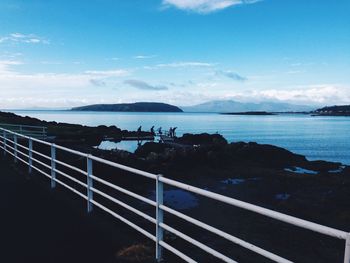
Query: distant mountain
x: 235, y: 106
x: 131, y: 107
x: 343, y: 110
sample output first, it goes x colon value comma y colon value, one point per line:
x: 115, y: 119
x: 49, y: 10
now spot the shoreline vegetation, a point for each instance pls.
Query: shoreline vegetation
x: 264, y: 175
x: 343, y: 110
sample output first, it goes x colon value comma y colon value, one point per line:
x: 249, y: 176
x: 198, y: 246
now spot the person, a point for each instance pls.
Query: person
x: 174, y: 131
x: 139, y: 132
x: 160, y: 130
x: 170, y: 132
x: 152, y: 130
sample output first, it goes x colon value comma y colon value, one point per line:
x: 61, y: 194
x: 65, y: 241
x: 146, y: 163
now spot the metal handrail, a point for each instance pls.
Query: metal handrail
x: 11, y: 146
x: 29, y: 130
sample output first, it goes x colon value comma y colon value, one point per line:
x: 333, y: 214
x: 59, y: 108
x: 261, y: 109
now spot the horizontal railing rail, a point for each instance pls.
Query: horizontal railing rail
x: 39, y: 132
x: 26, y: 154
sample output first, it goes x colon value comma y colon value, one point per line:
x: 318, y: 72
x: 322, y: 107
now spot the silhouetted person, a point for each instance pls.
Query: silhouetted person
x: 160, y: 130
x: 139, y: 132
x: 174, y: 131
x: 170, y: 132
x: 152, y: 131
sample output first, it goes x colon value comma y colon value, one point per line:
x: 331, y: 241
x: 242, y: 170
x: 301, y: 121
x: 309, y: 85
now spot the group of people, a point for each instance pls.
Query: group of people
x: 171, y: 133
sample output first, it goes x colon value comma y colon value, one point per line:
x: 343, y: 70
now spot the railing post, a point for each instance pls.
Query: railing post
x: 89, y: 184
x: 20, y: 129
x: 30, y: 154
x: 53, y: 166
x: 347, y: 249
x: 4, y: 135
x: 15, y: 147
x: 160, y: 218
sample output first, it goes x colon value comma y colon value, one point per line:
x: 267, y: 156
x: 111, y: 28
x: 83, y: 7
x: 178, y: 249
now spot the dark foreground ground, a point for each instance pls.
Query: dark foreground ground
x: 38, y: 224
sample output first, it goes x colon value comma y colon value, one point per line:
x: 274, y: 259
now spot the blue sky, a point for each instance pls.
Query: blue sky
x: 68, y: 53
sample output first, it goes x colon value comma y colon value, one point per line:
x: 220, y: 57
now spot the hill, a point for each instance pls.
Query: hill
x: 343, y: 110
x: 235, y: 106
x: 131, y: 107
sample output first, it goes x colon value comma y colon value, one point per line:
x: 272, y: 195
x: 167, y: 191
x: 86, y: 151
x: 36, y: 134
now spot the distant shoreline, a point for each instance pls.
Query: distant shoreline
x: 191, y: 112
x: 330, y: 114
x: 255, y: 113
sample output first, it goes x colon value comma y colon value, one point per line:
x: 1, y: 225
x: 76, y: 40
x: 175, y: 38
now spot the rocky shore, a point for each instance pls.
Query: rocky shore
x: 265, y: 175
x: 74, y: 134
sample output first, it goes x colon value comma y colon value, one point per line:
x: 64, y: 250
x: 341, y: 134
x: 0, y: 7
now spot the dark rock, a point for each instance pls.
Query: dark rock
x: 266, y: 155
x: 148, y: 147
x: 202, y: 139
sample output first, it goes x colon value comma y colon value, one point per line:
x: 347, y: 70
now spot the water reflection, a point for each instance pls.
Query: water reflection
x: 129, y: 146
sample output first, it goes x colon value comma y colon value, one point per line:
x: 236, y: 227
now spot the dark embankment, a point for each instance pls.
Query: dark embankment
x: 41, y: 225
x: 131, y: 107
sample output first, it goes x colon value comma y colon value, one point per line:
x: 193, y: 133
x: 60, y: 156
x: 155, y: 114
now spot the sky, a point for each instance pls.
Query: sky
x: 59, y: 53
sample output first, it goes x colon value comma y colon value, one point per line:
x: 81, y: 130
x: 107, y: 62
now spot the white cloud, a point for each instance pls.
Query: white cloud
x: 292, y: 72
x: 319, y: 94
x: 113, y: 59
x: 205, y: 6
x: 108, y: 73
x: 44, y: 62
x: 10, y: 55
x: 18, y: 35
x: 323, y: 94
x: 144, y: 56
x: 185, y: 64
x: 20, y: 90
x: 23, y: 38
x: 5, y: 66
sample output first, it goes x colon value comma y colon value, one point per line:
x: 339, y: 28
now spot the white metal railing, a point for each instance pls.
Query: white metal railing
x: 39, y: 132
x: 11, y: 146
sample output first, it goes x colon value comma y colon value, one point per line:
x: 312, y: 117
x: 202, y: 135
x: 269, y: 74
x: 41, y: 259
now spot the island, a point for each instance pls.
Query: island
x: 343, y: 110
x: 259, y: 113
x: 131, y: 107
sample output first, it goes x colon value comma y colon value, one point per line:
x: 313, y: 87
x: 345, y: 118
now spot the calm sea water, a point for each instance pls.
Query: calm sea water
x: 318, y: 138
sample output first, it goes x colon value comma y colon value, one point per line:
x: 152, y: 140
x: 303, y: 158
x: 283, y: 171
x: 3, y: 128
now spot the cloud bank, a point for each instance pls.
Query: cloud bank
x: 23, y: 90
x: 205, y: 6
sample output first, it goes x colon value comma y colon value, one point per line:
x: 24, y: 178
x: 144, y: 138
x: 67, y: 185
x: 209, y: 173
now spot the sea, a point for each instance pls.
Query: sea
x: 316, y: 137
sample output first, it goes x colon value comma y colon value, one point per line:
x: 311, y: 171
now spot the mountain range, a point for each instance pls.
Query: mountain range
x: 235, y: 106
